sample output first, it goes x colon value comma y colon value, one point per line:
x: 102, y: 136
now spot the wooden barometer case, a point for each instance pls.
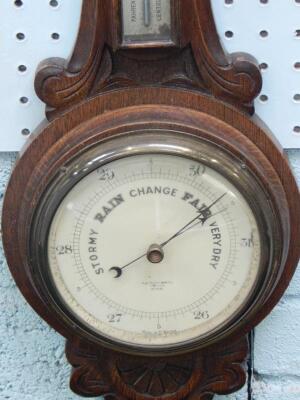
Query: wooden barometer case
x: 152, y: 220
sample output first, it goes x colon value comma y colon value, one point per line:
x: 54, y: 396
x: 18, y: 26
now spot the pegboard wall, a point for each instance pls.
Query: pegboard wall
x: 32, y: 30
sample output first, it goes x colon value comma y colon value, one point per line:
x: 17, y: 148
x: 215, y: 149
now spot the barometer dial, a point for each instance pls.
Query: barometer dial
x: 154, y: 250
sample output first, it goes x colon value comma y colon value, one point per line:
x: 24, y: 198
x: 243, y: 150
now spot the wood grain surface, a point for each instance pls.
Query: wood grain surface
x: 105, y: 91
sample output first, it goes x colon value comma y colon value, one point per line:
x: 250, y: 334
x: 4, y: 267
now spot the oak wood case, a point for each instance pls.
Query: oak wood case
x: 104, y: 91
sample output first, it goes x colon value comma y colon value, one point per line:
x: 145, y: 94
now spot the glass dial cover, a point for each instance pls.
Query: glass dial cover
x: 154, y: 250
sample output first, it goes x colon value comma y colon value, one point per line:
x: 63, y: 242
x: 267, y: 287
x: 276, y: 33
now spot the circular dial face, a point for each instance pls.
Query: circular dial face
x: 154, y: 250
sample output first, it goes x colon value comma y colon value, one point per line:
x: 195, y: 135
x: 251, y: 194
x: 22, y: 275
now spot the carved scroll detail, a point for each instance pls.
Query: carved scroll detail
x: 225, y: 371
x: 98, y: 64
x: 86, y: 379
x: 236, y: 77
x: 60, y: 83
x: 195, y: 376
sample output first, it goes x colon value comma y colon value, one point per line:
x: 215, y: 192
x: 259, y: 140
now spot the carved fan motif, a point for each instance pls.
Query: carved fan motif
x: 156, y: 377
x: 196, y: 376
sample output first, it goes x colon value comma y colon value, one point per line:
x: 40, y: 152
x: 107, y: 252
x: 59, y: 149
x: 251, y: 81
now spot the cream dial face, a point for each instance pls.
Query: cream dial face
x: 154, y: 250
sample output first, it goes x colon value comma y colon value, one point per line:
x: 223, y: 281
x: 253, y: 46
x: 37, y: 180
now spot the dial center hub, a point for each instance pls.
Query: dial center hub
x: 155, y: 254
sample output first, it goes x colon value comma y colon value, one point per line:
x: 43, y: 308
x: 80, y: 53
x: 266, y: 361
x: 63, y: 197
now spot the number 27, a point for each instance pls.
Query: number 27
x: 113, y: 318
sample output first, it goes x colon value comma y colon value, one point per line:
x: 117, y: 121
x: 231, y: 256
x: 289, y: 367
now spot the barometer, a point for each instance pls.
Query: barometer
x: 152, y: 220
x: 143, y: 240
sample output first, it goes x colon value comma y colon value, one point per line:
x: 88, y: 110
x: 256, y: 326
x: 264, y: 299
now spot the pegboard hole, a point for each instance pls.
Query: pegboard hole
x: 263, y: 98
x: 55, y: 36
x: 297, y: 65
x: 229, y: 34
x: 24, y: 100
x: 228, y: 2
x: 25, y: 132
x: 297, y: 98
x: 297, y: 33
x: 53, y: 3
x: 264, y: 34
x: 22, y: 68
x: 263, y: 66
x: 20, y: 36
x: 264, y: 2
x: 297, y: 129
x: 18, y: 3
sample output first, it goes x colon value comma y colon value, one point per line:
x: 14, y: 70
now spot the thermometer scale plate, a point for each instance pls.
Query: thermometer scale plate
x: 148, y: 23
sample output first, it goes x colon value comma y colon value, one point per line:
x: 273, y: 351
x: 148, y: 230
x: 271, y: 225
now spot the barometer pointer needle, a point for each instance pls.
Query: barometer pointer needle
x: 203, y: 217
x: 202, y: 213
x: 201, y: 222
